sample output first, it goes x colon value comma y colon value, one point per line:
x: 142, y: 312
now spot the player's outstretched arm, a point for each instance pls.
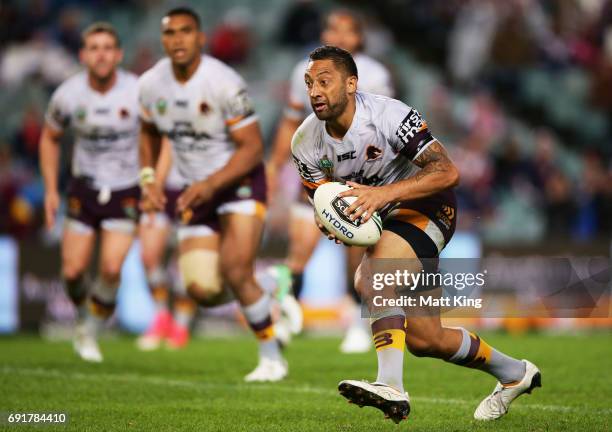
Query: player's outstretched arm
x: 49, y: 151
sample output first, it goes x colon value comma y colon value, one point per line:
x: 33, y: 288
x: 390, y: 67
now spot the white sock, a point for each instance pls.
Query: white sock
x: 390, y: 342
x: 260, y: 320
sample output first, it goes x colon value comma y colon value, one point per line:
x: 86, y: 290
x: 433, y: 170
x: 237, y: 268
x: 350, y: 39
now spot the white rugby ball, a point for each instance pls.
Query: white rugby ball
x: 330, y: 209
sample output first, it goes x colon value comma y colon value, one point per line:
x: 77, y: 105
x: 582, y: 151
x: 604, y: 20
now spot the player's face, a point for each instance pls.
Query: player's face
x: 328, y: 88
x: 181, y: 38
x: 101, y: 55
x: 341, y: 31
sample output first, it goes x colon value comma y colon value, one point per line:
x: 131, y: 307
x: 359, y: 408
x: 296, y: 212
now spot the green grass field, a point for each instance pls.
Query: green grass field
x: 201, y: 387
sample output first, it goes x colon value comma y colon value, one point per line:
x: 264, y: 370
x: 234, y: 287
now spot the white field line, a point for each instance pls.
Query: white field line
x: 204, y: 386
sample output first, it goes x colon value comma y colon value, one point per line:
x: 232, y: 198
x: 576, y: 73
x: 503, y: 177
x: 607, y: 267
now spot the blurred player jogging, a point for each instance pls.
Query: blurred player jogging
x: 100, y: 106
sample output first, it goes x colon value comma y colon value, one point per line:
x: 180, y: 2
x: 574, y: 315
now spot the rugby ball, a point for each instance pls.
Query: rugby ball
x: 330, y: 210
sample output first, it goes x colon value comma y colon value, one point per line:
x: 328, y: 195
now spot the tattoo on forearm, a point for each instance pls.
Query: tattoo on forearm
x: 434, y: 159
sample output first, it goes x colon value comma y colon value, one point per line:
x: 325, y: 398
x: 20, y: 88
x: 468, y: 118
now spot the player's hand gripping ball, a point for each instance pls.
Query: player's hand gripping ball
x: 330, y: 210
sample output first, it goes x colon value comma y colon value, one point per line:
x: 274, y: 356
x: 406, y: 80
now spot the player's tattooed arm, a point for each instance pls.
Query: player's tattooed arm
x: 434, y: 160
x: 437, y: 173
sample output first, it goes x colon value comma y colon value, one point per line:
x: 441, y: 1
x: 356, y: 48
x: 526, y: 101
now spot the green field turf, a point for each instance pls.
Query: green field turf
x: 201, y: 388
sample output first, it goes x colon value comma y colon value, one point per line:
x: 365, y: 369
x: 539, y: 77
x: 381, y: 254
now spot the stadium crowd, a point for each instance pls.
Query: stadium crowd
x: 541, y: 63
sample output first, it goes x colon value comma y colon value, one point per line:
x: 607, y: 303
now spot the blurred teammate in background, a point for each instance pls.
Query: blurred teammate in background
x: 343, y: 28
x: 100, y: 106
x: 403, y: 172
x: 172, y: 320
x: 203, y: 107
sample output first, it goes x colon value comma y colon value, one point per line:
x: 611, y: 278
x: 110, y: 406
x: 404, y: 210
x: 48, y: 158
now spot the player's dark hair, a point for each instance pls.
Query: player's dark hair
x: 100, y: 27
x: 356, y: 18
x: 183, y: 10
x: 341, y: 58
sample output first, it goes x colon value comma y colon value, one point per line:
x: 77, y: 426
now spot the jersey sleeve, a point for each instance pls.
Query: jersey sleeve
x: 236, y: 104
x: 58, y: 110
x: 407, y: 131
x: 145, y: 100
x: 297, y: 101
x: 384, y: 85
x: 303, y: 157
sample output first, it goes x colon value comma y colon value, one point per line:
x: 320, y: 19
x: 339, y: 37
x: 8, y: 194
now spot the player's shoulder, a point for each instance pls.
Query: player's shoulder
x: 380, y: 107
x: 73, y: 85
x: 370, y: 65
x: 300, y: 67
x: 127, y: 77
x: 158, y: 72
x: 219, y: 71
x: 127, y: 81
x: 305, y: 137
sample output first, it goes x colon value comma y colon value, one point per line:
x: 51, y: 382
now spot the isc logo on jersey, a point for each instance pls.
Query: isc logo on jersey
x: 330, y: 209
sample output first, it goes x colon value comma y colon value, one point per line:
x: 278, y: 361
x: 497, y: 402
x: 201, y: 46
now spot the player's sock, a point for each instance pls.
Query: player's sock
x: 297, y: 283
x: 77, y: 291
x: 389, y: 335
x: 101, y: 303
x: 258, y: 316
x: 184, y: 310
x: 476, y: 353
x: 158, y: 284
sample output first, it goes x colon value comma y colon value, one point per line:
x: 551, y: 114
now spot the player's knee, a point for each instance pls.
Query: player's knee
x: 150, y: 260
x: 201, y: 294
x: 199, y: 270
x: 71, y: 270
x: 110, y: 271
x: 423, y: 346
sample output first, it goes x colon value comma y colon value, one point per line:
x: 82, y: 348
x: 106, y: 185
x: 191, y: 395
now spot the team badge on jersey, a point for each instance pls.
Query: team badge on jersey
x: 161, y: 106
x: 204, y: 108
x: 326, y: 165
x: 124, y: 113
x: 373, y: 153
x: 80, y: 113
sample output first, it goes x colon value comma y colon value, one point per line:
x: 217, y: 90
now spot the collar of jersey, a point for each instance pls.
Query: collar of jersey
x: 354, y: 124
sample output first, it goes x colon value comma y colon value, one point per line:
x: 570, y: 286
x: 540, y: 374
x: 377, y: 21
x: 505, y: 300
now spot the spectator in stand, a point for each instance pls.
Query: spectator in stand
x: 26, y: 139
x: 231, y: 41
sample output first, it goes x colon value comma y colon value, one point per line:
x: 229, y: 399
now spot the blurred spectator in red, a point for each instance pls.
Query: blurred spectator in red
x: 26, y: 139
x: 144, y: 59
x: 231, y: 41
